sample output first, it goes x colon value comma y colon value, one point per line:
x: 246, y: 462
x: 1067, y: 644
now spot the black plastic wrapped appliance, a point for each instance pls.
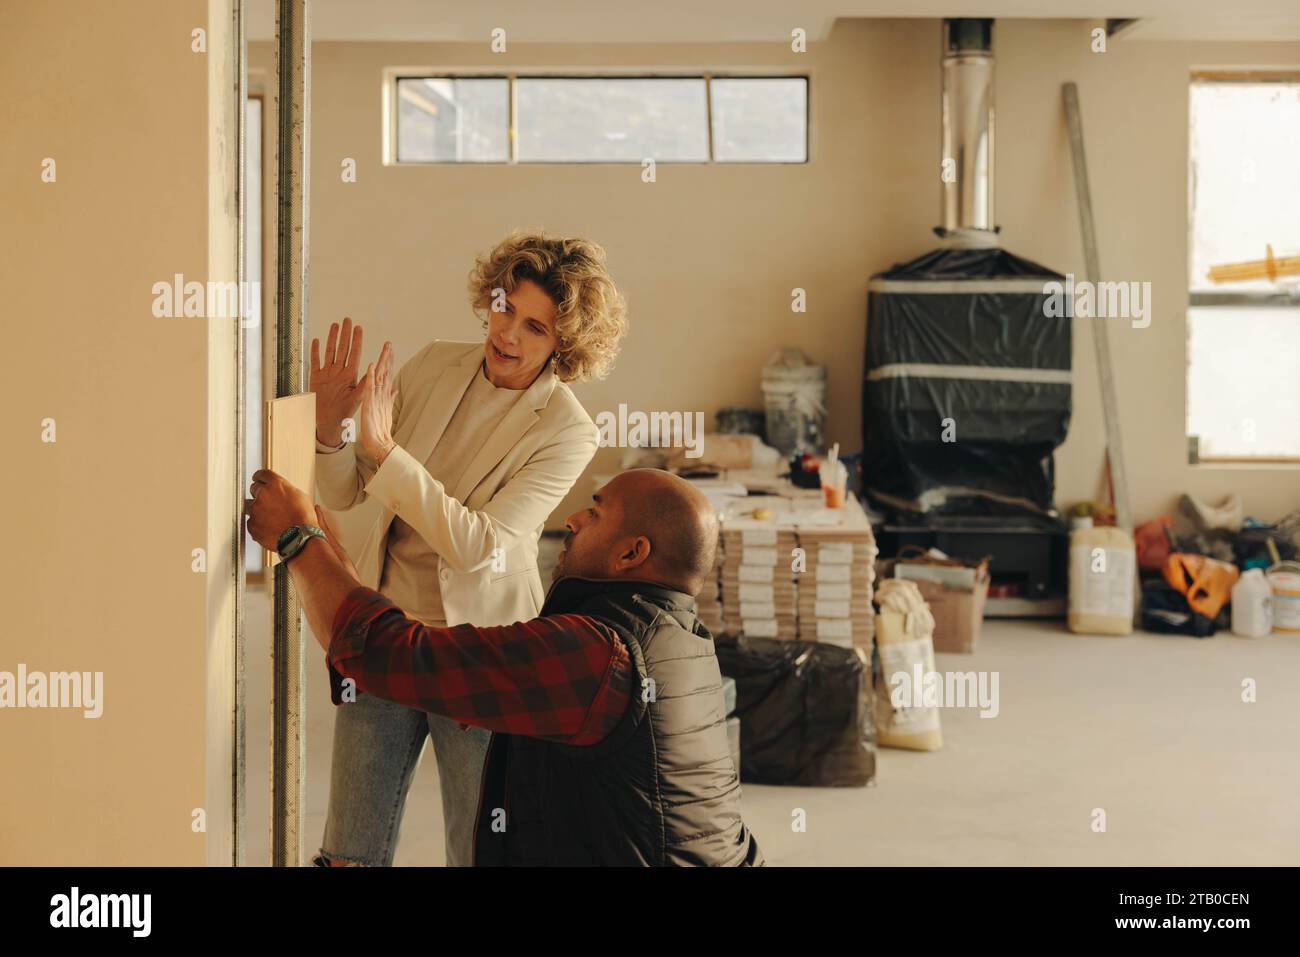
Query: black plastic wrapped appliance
x: 967, y: 384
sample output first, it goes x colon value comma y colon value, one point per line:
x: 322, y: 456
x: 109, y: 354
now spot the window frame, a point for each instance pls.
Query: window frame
x: 393, y: 75
x: 1259, y: 298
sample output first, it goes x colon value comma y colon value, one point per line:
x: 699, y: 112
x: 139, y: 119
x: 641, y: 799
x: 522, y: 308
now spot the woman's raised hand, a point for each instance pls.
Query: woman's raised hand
x: 378, y: 389
x: 335, y: 380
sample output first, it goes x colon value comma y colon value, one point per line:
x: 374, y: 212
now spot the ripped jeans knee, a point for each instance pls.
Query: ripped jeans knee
x: 324, y: 860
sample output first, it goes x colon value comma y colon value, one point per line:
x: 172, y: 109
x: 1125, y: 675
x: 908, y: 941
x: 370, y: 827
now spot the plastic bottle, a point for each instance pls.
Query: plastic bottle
x: 1252, y: 605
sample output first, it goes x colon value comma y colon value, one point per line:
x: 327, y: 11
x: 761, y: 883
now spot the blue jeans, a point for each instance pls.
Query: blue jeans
x: 376, y: 746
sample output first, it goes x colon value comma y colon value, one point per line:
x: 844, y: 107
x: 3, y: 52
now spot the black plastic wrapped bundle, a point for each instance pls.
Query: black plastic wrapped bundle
x: 805, y: 709
x: 959, y: 347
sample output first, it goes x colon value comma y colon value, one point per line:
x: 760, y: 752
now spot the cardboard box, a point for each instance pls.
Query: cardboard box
x: 956, y: 597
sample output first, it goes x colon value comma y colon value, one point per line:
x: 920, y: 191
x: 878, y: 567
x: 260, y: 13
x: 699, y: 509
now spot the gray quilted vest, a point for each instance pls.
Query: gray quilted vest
x: 661, y: 790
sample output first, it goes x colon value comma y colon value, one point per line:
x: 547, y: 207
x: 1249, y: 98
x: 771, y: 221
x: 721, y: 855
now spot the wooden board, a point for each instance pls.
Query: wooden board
x: 289, y: 445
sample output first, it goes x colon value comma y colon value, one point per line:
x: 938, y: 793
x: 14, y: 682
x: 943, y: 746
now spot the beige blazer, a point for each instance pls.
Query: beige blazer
x: 510, y: 487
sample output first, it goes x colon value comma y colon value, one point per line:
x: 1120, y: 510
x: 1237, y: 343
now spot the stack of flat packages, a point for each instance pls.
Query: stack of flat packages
x: 762, y: 594
x: 709, y: 601
x: 835, y: 590
x: 758, y: 594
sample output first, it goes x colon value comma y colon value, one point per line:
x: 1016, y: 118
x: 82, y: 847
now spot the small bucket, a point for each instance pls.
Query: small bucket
x: 1284, y: 579
x: 794, y: 398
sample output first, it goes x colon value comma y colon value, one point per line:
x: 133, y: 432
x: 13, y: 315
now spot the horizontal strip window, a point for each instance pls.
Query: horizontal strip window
x: 599, y: 119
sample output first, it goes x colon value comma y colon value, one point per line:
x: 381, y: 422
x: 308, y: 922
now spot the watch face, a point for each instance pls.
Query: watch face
x: 286, y: 538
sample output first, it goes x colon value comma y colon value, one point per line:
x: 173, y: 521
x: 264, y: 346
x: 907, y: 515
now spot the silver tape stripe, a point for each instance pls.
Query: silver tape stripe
x: 950, y: 286
x: 923, y: 370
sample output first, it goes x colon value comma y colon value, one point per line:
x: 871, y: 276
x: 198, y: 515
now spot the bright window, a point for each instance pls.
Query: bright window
x: 761, y: 120
x: 453, y: 120
x: 1243, y: 380
x: 601, y: 119
x: 605, y: 120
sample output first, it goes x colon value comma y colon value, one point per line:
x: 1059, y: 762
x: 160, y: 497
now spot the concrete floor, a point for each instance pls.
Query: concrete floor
x: 1151, y: 728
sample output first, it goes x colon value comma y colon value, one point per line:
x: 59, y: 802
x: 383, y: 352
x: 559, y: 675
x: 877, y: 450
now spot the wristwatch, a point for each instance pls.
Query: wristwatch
x: 293, y: 538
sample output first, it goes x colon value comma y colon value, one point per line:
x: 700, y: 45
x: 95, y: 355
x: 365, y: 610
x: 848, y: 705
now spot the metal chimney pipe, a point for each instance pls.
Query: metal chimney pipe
x: 968, y: 132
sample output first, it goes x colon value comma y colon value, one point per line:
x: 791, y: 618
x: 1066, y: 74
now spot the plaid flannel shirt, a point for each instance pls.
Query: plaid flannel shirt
x: 565, y: 678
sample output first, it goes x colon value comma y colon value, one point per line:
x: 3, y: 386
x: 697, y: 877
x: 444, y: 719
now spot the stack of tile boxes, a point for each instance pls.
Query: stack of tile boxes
x: 765, y: 592
x: 835, y: 592
x: 758, y: 591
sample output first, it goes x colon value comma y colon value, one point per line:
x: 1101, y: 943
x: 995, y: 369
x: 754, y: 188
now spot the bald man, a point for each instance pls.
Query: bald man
x: 609, y: 743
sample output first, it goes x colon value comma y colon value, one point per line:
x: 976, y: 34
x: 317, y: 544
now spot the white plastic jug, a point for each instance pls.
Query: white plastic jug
x: 1252, y: 605
x: 1103, y: 567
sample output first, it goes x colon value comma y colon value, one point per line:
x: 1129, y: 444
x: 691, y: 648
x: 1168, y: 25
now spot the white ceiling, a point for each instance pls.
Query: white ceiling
x: 738, y: 21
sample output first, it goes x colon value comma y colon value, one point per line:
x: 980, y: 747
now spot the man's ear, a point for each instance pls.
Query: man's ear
x: 633, y: 553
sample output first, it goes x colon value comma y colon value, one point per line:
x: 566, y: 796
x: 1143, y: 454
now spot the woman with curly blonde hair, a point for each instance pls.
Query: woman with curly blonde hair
x: 468, y: 449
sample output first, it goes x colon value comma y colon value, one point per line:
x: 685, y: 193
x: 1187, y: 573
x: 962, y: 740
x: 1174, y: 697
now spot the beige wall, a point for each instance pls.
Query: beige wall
x: 100, y: 524
x: 708, y: 255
